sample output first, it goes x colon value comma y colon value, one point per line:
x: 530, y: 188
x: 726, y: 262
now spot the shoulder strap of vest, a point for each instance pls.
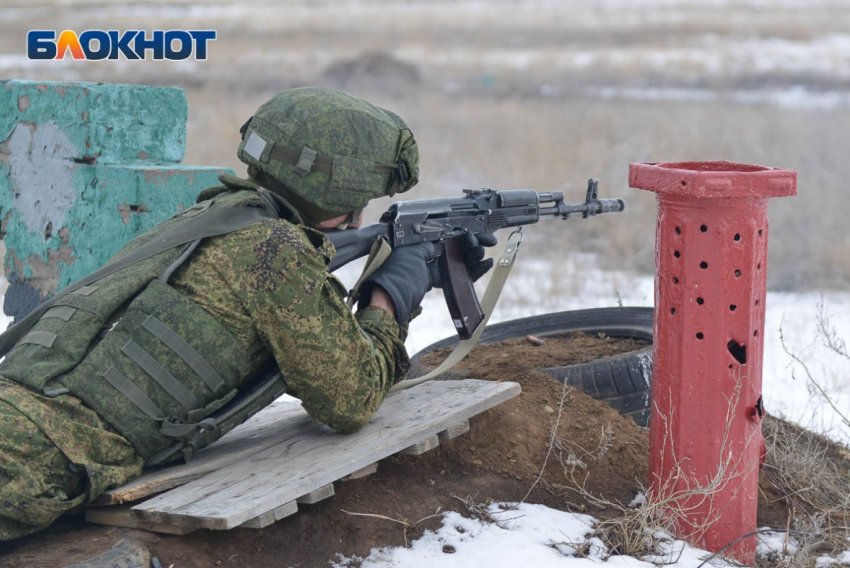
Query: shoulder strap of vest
x: 210, y: 223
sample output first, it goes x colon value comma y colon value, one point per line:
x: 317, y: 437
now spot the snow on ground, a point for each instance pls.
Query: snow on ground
x: 524, y: 535
x: 533, y: 535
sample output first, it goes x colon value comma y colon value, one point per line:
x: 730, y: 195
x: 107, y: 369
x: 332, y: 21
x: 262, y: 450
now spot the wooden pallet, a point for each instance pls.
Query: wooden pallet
x: 261, y: 471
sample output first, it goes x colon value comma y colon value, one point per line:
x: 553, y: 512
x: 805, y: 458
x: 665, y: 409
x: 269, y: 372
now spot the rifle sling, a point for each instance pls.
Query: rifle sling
x: 211, y: 223
x: 378, y: 254
x: 491, y: 296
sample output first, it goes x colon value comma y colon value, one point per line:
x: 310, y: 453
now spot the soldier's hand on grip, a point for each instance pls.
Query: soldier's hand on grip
x: 473, y: 255
x: 406, y: 278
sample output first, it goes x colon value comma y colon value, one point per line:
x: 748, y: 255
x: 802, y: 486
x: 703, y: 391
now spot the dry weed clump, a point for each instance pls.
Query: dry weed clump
x: 805, y: 546
x: 644, y: 528
x: 814, y: 471
x: 813, y: 474
x: 811, y: 471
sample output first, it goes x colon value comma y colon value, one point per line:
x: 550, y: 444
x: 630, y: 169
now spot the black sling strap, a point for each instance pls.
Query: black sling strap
x: 210, y: 223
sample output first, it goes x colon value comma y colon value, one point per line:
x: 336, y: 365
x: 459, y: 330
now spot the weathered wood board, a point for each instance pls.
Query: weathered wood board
x: 308, y: 456
x: 260, y: 432
x: 119, y: 516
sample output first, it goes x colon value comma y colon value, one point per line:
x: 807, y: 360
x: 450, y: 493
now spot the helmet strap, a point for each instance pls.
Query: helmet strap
x: 353, y: 218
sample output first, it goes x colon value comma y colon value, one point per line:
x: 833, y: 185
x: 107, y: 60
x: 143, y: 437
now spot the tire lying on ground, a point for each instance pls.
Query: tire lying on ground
x: 622, y: 381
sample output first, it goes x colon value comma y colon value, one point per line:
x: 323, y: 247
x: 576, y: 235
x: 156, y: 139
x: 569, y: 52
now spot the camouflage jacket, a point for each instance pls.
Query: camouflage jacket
x: 269, y: 285
x: 268, y: 289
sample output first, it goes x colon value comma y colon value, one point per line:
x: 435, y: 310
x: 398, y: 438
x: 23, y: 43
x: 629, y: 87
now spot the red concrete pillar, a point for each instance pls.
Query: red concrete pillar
x: 710, y: 283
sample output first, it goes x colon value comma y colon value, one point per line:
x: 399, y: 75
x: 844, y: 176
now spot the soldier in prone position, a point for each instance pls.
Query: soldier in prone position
x: 172, y: 348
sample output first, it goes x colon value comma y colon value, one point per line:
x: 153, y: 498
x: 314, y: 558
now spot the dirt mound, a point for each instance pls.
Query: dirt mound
x: 514, y: 439
x: 500, y: 459
x: 499, y: 361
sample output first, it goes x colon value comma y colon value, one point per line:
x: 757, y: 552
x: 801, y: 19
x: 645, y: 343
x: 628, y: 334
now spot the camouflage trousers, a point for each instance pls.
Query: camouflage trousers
x: 55, y: 454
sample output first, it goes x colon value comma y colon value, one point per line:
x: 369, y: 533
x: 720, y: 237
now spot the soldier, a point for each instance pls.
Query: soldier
x: 177, y: 339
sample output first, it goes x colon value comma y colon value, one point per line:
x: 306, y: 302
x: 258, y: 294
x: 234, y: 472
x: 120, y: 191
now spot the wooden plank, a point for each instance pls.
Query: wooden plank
x: 260, y: 432
x: 294, y: 467
x: 422, y: 446
x: 313, y: 497
x: 119, y: 516
x: 271, y: 517
x: 454, y: 431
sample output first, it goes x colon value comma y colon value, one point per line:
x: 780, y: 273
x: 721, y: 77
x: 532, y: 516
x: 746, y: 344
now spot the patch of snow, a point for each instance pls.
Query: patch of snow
x: 773, y: 544
x: 524, y: 535
x: 639, y: 500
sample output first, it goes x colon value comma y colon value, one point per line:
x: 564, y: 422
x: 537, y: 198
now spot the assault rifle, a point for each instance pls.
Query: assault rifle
x: 445, y: 220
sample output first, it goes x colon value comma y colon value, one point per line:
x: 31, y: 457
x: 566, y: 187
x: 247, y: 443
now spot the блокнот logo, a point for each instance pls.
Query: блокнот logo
x: 96, y: 45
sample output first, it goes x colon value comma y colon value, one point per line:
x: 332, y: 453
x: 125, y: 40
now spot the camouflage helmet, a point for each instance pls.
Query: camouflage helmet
x: 329, y: 153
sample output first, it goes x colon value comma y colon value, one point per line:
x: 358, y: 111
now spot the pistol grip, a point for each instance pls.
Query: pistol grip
x: 463, y: 304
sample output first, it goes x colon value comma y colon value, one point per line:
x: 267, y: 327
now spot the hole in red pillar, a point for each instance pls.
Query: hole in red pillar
x: 756, y: 333
x: 703, y: 228
x: 757, y: 302
x: 700, y: 301
x: 677, y: 254
x: 732, y: 307
x: 703, y: 265
x: 678, y: 231
x: 737, y: 237
x: 684, y: 182
x: 675, y: 280
x: 700, y: 335
x: 758, y: 266
x: 737, y: 273
x: 738, y: 351
x: 672, y: 311
x: 760, y: 231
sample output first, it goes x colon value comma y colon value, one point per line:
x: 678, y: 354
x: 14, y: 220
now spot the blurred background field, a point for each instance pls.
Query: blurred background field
x: 532, y: 94
x: 545, y: 94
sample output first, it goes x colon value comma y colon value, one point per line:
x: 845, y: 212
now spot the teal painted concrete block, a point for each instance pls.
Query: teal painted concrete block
x: 94, y: 122
x: 123, y: 202
x: 63, y: 220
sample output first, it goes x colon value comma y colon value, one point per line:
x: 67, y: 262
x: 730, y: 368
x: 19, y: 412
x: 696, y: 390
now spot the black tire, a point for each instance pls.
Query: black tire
x: 125, y: 554
x: 621, y: 381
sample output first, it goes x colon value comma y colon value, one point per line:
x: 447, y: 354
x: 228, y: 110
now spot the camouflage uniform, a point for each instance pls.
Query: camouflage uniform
x: 269, y: 286
x: 55, y: 454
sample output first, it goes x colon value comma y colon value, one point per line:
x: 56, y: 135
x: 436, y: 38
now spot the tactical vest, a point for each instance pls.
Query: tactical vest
x: 161, y: 370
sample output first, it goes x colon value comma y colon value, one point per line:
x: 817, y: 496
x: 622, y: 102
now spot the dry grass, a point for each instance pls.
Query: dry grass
x: 812, y: 472
x: 814, y: 476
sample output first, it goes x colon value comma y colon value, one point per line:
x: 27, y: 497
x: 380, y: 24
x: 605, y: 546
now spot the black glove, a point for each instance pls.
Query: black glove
x: 406, y: 278
x: 473, y: 254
